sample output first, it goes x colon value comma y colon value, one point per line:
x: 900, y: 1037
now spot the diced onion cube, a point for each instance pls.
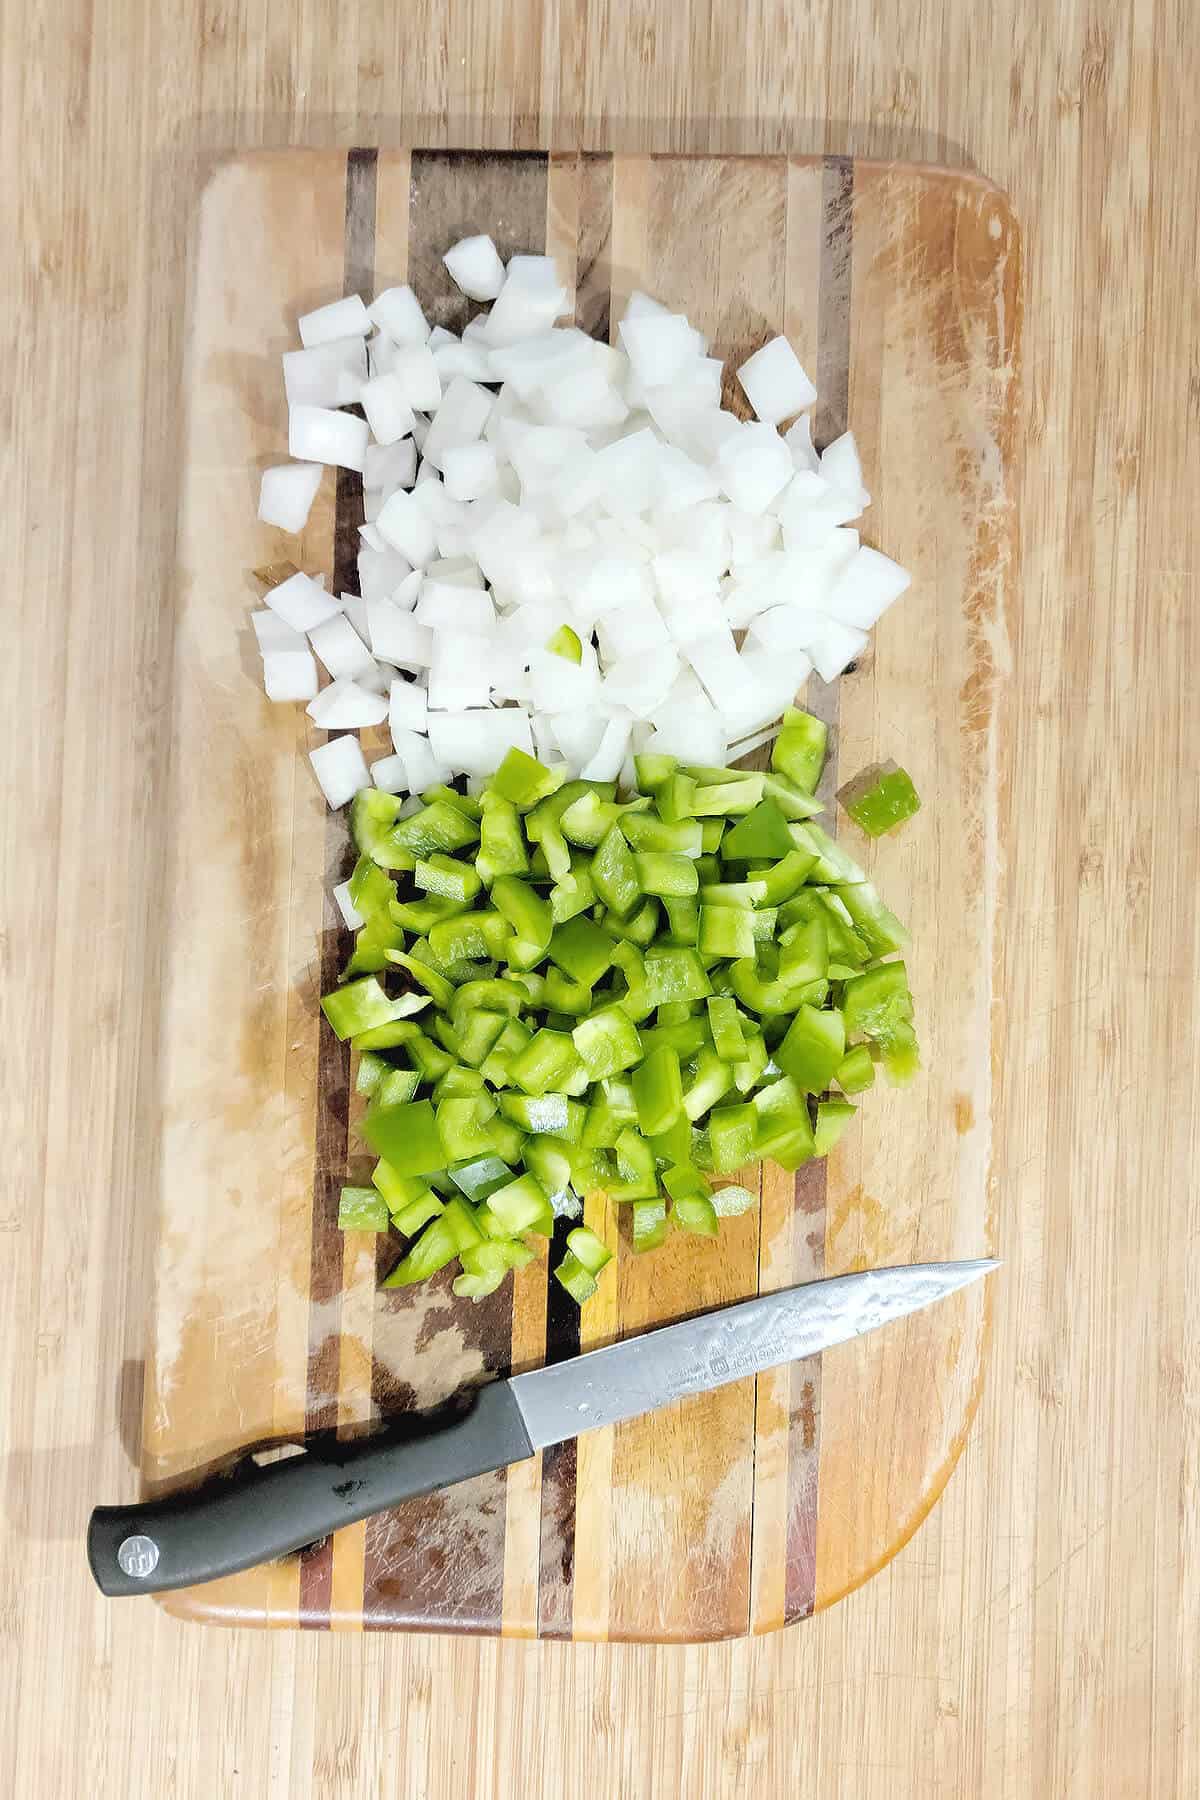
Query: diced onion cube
x: 397, y: 311
x: 417, y: 373
x: 774, y: 382
x: 475, y: 267
x: 345, y: 905
x: 340, y: 648
x: 341, y: 318
x: 341, y: 769
x: 289, y: 674
x: 302, y: 602
x: 388, y: 412
x: 344, y: 706
x: 407, y: 708
x: 405, y: 524
x: 319, y: 434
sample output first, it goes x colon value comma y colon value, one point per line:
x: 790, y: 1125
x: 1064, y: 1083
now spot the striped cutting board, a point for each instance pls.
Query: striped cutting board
x: 748, y: 1508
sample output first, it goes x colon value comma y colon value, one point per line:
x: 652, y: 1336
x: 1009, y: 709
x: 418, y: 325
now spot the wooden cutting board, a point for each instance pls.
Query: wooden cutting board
x: 750, y: 1507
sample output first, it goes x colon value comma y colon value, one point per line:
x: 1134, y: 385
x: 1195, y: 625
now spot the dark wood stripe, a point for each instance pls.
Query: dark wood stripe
x: 593, y: 265
x: 821, y: 699
x: 556, y: 1562
x: 438, y: 1562
x: 333, y: 1059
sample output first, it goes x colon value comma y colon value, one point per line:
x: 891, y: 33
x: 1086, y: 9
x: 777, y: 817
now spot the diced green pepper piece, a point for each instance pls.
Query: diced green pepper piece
x: 538, y: 1112
x: 565, y: 642
x: 523, y: 780
x: 726, y: 931
x: 480, y: 1176
x: 674, y: 975
x: 762, y: 832
x: 804, y: 952
x: 727, y: 797
x: 396, y: 1087
x: 615, y: 874
x: 567, y: 997
x: 641, y: 927
x: 478, y: 1036
x: 880, y: 928
x: 372, y: 816
x: 833, y: 862
x: 436, y: 1246
x: 799, y: 750
x: 782, y: 1130
x: 460, y: 1219
x: 725, y: 1024
x: 677, y: 798
x: 575, y: 1278
x: 731, y: 1131
x: 696, y: 1213
x: 524, y: 909
x: 732, y: 1202
x: 856, y: 1072
x: 792, y: 801
x: 457, y: 1081
x: 588, y: 818
x: 410, y: 1218
x: 683, y: 920
x: 666, y: 872
x: 785, y: 877
x: 673, y: 1145
x: 658, y: 1090
x: 370, y: 889
x: 813, y: 1047
x: 588, y: 1249
x: 546, y: 1062
x: 748, y: 1073
x: 443, y: 875
x: 441, y: 990
x: 548, y: 1159
x: 607, y: 1042
x: 743, y: 894
x: 462, y: 1123
x: 361, y: 1006
x: 581, y: 950
x: 878, y: 1003
x: 501, y: 841
x: 686, y: 1038
x: 362, y: 1209
x: 652, y: 771
x: 516, y: 1206
x: 398, y: 1190
x: 880, y: 800
x: 465, y: 803
x: 833, y: 1116
x: 437, y: 827
x: 371, y: 1071
x: 407, y: 1138
x: 648, y: 833
x: 900, y: 1056
x: 575, y: 893
x: 710, y: 1079
x: 429, y: 1059
x: 649, y: 1224
x: 419, y: 915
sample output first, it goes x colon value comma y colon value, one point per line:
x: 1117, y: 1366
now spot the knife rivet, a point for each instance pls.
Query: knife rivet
x: 138, y: 1556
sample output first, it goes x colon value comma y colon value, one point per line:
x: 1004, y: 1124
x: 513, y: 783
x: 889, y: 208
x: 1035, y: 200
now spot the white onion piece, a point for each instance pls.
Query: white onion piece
x: 341, y: 769
x: 693, y: 733
x: 273, y: 633
x: 416, y: 372
x: 380, y: 572
x: 459, y: 675
x: 407, y: 708
x: 396, y: 637
x: 345, y: 905
x: 475, y: 743
x: 470, y: 471
x: 397, y: 311
x: 388, y: 411
x: 475, y: 267
x: 774, y: 382
x: 390, y: 465
x: 422, y: 765
x: 329, y: 375
x: 286, y: 494
x: 754, y: 465
x: 841, y: 467
x: 319, y: 434
x: 449, y: 608
x: 344, y: 706
x: 459, y: 419
x: 341, y: 318
x: 577, y: 736
x: 798, y: 438
x: 302, y: 602
x: 289, y: 675
x: 866, y: 587
x: 605, y: 763
x: 390, y: 774
x: 405, y: 524
x: 340, y: 648
x: 835, y: 647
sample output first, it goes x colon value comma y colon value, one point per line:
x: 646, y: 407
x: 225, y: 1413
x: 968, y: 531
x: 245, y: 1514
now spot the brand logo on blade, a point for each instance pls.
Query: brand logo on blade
x: 725, y: 1366
x: 138, y: 1556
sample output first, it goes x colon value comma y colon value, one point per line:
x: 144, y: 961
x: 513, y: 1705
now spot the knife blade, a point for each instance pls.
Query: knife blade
x: 255, y: 1513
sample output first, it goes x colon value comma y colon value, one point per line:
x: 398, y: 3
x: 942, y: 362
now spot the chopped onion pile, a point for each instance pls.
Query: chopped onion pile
x: 565, y: 541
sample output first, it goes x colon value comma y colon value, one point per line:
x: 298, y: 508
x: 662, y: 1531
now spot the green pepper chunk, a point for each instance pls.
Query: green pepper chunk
x: 646, y: 832
x: 501, y: 842
x: 362, y: 1209
x: 813, y: 1047
x: 799, y: 750
x: 523, y: 780
x: 881, y: 800
x: 524, y: 909
x: 581, y: 950
x: 731, y: 1132
x: 674, y: 975
x: 436, y: 1246
x: 362, y: 1006
x: 762, y: 832
x: 666, y: 872
x: 442, y: 875
x: 726, y: 930
x: 614, y: 873
x: 725, y: 1024
x: 658, y: 1091
x: 649, y: 1224
x: 607, y: 1042
x: 856, y: 1072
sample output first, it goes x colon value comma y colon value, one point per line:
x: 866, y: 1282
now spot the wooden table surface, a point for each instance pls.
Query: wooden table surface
x: 1041, y: 1634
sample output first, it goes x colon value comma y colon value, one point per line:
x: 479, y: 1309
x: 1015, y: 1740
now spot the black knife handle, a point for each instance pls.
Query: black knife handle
x: 257, y: 1514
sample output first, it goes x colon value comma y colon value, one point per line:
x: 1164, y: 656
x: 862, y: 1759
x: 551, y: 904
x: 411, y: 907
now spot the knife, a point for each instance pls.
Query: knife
x: 255, y: 1514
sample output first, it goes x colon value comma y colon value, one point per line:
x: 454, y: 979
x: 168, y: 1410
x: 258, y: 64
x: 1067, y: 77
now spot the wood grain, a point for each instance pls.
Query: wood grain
x: 1039, y: 1636
x: 646, y: 1530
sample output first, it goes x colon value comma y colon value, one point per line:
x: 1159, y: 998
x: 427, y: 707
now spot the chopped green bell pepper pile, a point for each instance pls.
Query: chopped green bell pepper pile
x: 555, y: 992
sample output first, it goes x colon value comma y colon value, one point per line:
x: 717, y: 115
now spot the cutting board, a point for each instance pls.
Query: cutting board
x: 733, y: 1512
